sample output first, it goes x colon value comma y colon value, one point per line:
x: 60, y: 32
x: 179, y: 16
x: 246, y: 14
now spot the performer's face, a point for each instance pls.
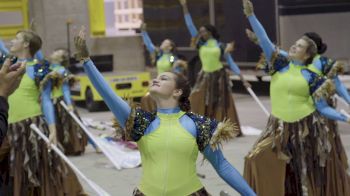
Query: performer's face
x: 204, y: 33
x: 164, y: 86
x: 18, y: 44
x: 298, y: 51
x: 57, y: 55
x: 166, y: 45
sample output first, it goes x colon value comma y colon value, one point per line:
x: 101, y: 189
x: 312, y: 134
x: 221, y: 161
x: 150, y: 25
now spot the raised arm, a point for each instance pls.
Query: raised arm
x: 227, y: 172
x: 233, y: 66
x: 188, y: 19
x: 117, y: 105
x: 146, y: 39
x: 264, y: 41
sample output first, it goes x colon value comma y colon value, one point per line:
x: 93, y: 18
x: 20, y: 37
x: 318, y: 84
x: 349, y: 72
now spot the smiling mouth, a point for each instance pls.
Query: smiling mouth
x: 155, y: 84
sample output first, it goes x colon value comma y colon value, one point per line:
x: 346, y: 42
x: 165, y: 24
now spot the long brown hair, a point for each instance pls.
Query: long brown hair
x: 183, y: 84
x: 321, y: 46
x: 33, y: 39
x: 64, y: 58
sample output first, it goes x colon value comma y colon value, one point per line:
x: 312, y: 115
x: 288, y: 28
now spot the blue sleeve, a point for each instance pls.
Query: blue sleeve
x: 47, y: 106
x: 117, y: 105
x: 66, y: 93
x: 341, y: 89
x: 227, y: 172
x: 3, y: 47
x: 233, y: 66
x: 265, y: 43
x: 328, y: 111
x: 148, y: 42
x: 39, y: 55
x: 318, y: 64
x: 284, y: 53
x: 322, y: 105
x: 190, y: 26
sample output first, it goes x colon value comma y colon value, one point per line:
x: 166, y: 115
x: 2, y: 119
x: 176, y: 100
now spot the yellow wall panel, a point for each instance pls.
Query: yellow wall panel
x: 97, y: 17
x: 21, y: 6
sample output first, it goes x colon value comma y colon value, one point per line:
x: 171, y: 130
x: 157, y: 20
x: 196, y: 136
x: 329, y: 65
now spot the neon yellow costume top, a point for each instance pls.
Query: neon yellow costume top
x: 164, y: 63
x: 169, y: 157
x: 210, y: 54
x: 24, y: 102
x: 290, y: 96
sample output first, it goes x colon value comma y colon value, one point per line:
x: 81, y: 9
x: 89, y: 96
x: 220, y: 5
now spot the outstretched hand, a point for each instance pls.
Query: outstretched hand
x: 230, y: 47
x: 252, y: 36
x: 248, y: 8
x: 32, y: 25
x: 183, y: 2
x: 52, y: 135
x: 82, y: 51
x: 143, y: 26
x: 246, y: 84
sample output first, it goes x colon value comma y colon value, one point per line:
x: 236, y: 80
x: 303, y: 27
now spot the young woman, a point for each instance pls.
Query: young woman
x: 33, y: 169
x: 337, y: 163
x: 70, y: 134
x: 165, y: 59
x: 212, y: 93
x: 169, y: 140
x: 289, y: 158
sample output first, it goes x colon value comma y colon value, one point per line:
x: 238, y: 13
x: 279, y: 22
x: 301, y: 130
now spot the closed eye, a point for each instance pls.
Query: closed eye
x: 163, y: 77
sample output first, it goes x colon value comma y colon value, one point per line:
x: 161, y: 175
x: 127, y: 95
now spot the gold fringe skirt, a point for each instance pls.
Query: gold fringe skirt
x: 69, y: 134
x: 212, y: 97
x: 290, y: 158
x: 27, y: 166
x: 338, y: 180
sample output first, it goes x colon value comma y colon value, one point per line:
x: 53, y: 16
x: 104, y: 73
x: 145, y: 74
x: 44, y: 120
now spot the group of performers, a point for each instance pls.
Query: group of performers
x: 299, y: 153
x: 28, y: 166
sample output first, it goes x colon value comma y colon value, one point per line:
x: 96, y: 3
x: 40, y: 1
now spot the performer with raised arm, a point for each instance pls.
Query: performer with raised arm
x: 165, y: 59
x: 33, y: 169
x: 70, y: 134
x: 293, y: 150
x: 337, y: 163
x: 170, y: 139
x: 212, y: 93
